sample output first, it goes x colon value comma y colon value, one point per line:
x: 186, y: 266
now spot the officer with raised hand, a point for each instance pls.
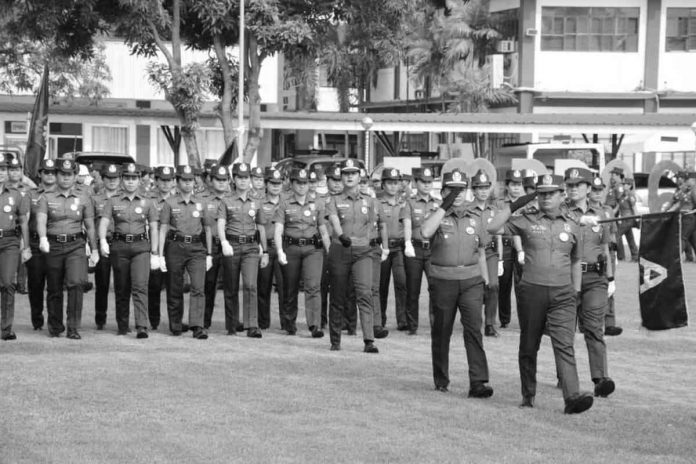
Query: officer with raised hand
x: 300, y: 238
x: 458, y: 274
x: 391, y: 204
x: 417, y: 248
x: 36, y: 266
x: 60, y: 218
x: 352, y: 215
x: 241, y: 242
x: 132, y: 252
x: 164, y: 184
x: 13, y: 226
x: 547, y: 292
x: 269, y: 205
x: 185, y: 244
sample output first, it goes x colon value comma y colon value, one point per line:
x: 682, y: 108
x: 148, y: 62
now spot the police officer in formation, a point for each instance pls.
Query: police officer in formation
x: 164, y: 185
x: 269, y: 205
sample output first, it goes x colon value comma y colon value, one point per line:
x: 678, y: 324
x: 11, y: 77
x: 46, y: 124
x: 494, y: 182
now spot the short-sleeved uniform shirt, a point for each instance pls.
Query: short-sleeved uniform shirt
x: 267, y: 212
x: 358, y: 215
x: 100, y: 201
x: 66, y: 211
x: 14, y: 204
x: 456, y: 245
x: 241, y: 214
x: 390, y: 214
x: 550, y: 242
x: 418, y: 209
x: 592, y: 238
x: 627, y: 203
x: 300, y: 220
x: 212, y: 206
x: 130, y: 216
x: 34, y: 196
x: 184, y: 217
x: 485, y: 213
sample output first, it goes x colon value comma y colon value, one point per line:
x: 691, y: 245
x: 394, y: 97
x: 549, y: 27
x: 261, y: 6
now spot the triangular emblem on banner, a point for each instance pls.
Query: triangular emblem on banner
x: 653, y: 275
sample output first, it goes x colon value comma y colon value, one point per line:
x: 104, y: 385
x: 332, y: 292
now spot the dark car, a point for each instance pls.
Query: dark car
x: 310, y: 162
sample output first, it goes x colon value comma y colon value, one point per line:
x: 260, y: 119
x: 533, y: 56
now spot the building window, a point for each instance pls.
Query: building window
x: 110, y: 139
x: 574, y: 29
x: 211, y: 143
x: 681, y: 29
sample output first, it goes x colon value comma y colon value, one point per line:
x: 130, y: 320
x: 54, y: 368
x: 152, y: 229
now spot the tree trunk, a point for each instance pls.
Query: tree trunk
x: 226, y: 115
x: 255, y: 133
x: 189, y: 137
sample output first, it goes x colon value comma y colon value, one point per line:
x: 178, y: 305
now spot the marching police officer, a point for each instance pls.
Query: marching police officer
x: 514, y: 189
x: 60, y: 218
x: 185, y: 244
x: 241, y: 241
x: 335, y: 187
x: 36, y: 266
x: 417, y: 247
x: 15, y: 181
x: 164, y: 184
x: 269, y: 205
x: 131, y: 251
x: 458, y: 272
x: 684, y: 200
x: 597, y: 277
x: 550, y: 282
x: 300, y: 238
x: 13, y: 226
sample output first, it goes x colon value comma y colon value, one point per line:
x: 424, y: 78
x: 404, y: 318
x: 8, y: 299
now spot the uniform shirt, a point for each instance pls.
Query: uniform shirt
x: 592, y: 238
x: 456, y: 245
x: 685, y: 197
x: 267, y: 212
x: 390, y: 213
x: 627, y: 203
x: 128, y: 216
x: 300, y: 220
x: 65, y: 211
x: 606, y: 212
x: 184, y: 217
x: 34, y: 196
x: 418, y: 209
x: 327, y: 200
x: 15, y: 204
x: 613, y: 195
x: 357, y: 214
x: 241, y: 215
x: 212, y: 201
x: 158, y: 200
x: 550, y: 243
x: 100, y: 201
x: 257, y: 195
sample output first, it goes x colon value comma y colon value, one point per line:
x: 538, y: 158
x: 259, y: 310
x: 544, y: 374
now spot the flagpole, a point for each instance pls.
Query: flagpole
x: 641, y: 216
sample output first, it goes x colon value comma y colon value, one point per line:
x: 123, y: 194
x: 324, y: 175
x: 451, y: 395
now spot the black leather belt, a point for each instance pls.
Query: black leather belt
x: 185, y: 238
x: 395, y: 243
x: 591, y: 267
x: 270, y: 242
x: 65, y: 238
x: 300, y: 241
x: 490, y: 245
x: 8, y: 233
x: 241, y: 238
x: 507, y: 242
x: 128, y: 238
x: 424, y: 244
x: 375, y: 241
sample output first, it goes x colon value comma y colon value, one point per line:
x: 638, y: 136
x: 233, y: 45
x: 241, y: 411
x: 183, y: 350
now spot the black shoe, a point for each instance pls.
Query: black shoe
x: 503, y: 325
x: 176, y: 333
x: 527, y: 402
x: 142, y: 333
x: 122, y: 332
x: 413, y: 331
x: 54, y: 334
x: 351, y: 331
x: 9, y: 336
x: 200, y: 333
x: 291, y: 331
x: 370, y: 348
x: 100, y: 326
x: 578, y: 403
x: 402, y: 328
x: 40, y: 327
x: 232, y: 332
x: 613, y: 331
x: 88, y: 286
x: 442, y: 389
x: 480, y: 390
x: 154, y: 327
x: 73, y: 335
x: 335, y: 347
x: 22, y: 290
x: 206, y: 326
x: 316, y: 333
x: 239, y: 328
x: 490, y: 331
x: 380, y: 332
x: 604, y: 387
x: 184, y: 327
x: 254, y: 333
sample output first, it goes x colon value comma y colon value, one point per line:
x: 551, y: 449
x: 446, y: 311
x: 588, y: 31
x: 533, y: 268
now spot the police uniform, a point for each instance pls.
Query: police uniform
x: 303, y: 247
x: 627, y: 207
x: 13, y: 226
x: 130, y: 251
x: 685, y: 198
x: 185, y: 249
x: 258, y: 195
x: 157, y: 278
x: 240, y: 213
x: 61, y: 215
x: 510, y: 266
x: 269, y: 206
x: 417, y: 210
x: 333, y: 173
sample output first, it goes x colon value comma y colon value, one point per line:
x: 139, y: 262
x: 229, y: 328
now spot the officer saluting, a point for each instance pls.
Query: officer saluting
x: 458, y: 273
x: 550, y: 281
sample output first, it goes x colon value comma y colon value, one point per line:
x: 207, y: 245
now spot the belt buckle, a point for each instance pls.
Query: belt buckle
x: 242, y: 239
x: 301, y: 241
x: 583, y: 266
x: 188, y: 238
x: 426, y: 244
x: 62, y: 238
x: 129, y: 238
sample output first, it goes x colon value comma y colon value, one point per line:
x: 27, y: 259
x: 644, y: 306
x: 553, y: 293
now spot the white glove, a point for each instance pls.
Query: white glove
x: 227, y: 249
x: 282, y: 258
x: 385, y: 254
x: 520, y: 257
x: 93, y: 258
x: 408, y: 250
x: 104, y: 247
x: 163, y: 264
x: 43, y: 245
x: 264, y: 260
x: 154, y: 262
x: 611, y: 289
x: 208, y: 263
x: 501, y: 268
x: 588, y: 220
x: 26, y: 255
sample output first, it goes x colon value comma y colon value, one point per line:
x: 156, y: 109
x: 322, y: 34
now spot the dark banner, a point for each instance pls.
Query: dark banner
x: 36, y: 146
x: 661, y: 287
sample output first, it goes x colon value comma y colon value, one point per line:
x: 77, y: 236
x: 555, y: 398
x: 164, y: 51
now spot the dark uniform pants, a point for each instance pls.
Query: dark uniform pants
x: 102, y: 275
x: 157, y: 281
x: 325, y: 284
x: 610, y: 316
x: 414, y: 269
x: 350, y: 264
x: 244, y: 262
x: 183, y: 257
x: 505, y: 284
x: 65, y: 263
x: 265, y: 288
x: 490, y: 296
x: 448, y: 296
x: 591, y: 312
x: 304, y: 262
x: 211, y: 280
x: 9, y: 259
x: 376, y: 255
x: 688, y: 233
x: 394, y: 264
x: 625, y: 228
x: 131, y: 263
x: 553, y: 307
x: 36, y: 285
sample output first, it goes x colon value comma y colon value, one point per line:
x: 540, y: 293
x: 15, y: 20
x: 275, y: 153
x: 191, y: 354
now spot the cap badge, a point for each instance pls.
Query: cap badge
x: 574, y: 174
x: 242, y: 167
x: 112, y: 168
x: 313, y: 175
x: 276, y: 174
x: 222, y: 171
x: 427, y: 172
x: 131, y: 168
x: 187, y: 169
x: 349, y: 163
x: 67, y: 164
x: 393, y: 173
x: 456, y: 176
x: 50, y: 163
x: 547, y: 180
x: 166, y: 171
x: 597, y: 181
x: 482, y: 178
x: 303, y: 173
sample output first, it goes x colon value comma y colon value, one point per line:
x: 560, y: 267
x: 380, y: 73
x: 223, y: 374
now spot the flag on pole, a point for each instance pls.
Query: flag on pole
x: 36, y: 146
x: 661, y: 286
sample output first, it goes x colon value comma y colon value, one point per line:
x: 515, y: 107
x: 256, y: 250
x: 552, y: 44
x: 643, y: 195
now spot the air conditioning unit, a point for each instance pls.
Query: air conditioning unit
x: 506, y: 46
x: 496, y: 69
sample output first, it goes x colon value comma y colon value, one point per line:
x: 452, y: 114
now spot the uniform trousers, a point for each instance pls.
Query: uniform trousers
x: 414, y: 269
x: 36, y: 284
x: 350, y: 264
x: 325, y: 284
x: 264, y: 286
x: 553, y: 307
x: 9, y: 259
x: 211, y: 280
x: 688, y: 233
x: 490, y: 295
x: 505, y: 282
x: 394, y: 264
x: 610, y: 315
x: 245, y: 263
x: 102, y: 276
x: 625, y: 228
x: 376, y: 256
x: 66, y: 263
x: 304, y: 262
x: 183, y: 257
x: 131, y: 265
x: 592, y: 306
x: 448, y: 296
x: 158, y: 280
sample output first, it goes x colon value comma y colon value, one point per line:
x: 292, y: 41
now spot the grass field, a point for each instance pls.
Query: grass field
x: 289, y: 399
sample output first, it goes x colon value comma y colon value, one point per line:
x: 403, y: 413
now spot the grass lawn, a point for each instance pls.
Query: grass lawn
x: 289, y: 399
